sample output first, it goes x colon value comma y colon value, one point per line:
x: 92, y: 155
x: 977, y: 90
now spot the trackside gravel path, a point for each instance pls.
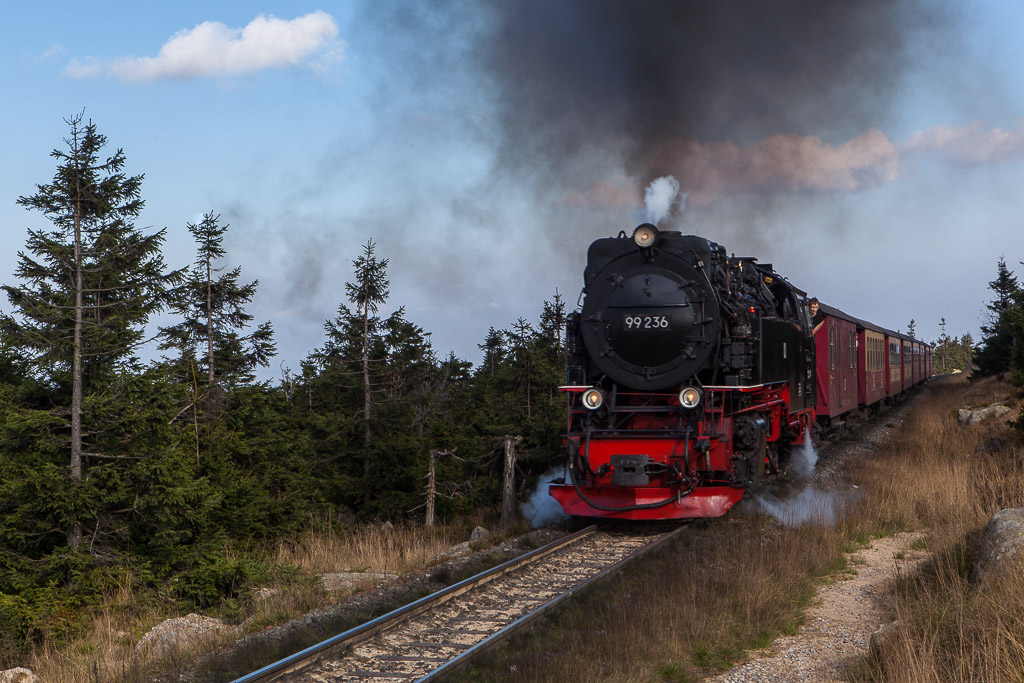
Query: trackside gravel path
x: 838, y: 628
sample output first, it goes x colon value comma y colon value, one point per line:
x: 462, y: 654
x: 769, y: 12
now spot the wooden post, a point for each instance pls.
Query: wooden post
x: 431, y: 489
x: 508, y: 491
x: 432, y: 483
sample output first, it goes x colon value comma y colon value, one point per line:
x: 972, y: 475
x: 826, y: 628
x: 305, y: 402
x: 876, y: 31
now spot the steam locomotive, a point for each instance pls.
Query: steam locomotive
x: 693, y: 375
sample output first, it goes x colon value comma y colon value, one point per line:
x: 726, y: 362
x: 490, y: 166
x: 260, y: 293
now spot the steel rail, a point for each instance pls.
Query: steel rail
x: 342, y: 641
x: 504, y: 634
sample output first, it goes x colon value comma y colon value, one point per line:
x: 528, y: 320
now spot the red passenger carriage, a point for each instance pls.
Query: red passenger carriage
x: 836, y: 366
x: 871, y: 364
x: 894, y: 362
x: 908, y: 361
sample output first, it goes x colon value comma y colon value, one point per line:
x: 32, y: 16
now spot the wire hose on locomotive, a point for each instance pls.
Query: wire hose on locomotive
x: 625, y: 508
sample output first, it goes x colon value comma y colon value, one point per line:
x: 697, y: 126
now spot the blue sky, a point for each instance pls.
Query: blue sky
x: 312, y: 128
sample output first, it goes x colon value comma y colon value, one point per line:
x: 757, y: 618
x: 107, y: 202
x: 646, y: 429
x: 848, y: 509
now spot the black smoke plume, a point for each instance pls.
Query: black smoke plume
x: 633, y: 78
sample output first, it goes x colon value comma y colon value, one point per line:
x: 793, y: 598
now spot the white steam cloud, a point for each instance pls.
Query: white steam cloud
x: 809, y: 506
x: 805, y: 458
x: 659, y: 197
x: 213, y: 49
x: 541, y: 509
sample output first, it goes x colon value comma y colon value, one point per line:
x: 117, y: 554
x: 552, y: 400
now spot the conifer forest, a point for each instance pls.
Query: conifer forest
x: 164, y: 470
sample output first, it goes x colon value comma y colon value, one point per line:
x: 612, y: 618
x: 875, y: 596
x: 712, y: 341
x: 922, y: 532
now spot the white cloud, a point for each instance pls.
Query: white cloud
x: 213, y: 49
x: 89, y: 67
x: 55, y: 50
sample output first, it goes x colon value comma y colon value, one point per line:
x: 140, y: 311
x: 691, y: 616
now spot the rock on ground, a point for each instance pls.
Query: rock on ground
x: 1000, y: 546
x: 351, y: 580
x: 456, y: 551
x: 882, y: 639
x: 181, y: 632
x: 970, y: 417
x: 19, y: 675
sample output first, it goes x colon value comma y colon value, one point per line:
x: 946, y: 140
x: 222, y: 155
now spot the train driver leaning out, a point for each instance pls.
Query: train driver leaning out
x: 817, y: 317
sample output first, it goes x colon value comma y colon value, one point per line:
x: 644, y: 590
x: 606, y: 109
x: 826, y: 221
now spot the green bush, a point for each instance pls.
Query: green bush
x: 217, y: 579
x: 15, y: 616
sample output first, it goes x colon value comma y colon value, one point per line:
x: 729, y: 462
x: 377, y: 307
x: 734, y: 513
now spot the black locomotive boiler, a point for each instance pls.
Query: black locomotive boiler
x: 690, y: 376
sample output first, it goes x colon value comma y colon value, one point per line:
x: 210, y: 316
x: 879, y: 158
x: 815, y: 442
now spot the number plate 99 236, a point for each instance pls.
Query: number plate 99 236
x: 645, y: 322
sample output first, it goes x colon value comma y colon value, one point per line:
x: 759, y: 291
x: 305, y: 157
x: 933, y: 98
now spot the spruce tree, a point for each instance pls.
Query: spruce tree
x: 548, y: 373
x: 212, y: 308
x: 494, y: 349
x: 942, y: 360
x: 998, y: 332
x: 522, y: 348
x: 1014, y: 322
x: 368, y: 292
x: 350, y: 369
x: 551, y: 342
x: 89, y: 286
x: 965, y: 352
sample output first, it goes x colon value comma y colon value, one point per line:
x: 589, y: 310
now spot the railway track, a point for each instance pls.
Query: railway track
x: 438, y: 633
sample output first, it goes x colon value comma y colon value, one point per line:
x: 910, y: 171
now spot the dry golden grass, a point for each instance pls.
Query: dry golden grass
x: 397, y: 549
x: 949, y: 480
x: 106, y: 651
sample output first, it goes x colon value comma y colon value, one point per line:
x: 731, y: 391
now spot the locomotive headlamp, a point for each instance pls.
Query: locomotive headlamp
x: 593, y: 398
x: 645, y: 235
x: 689, y: 397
